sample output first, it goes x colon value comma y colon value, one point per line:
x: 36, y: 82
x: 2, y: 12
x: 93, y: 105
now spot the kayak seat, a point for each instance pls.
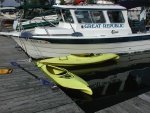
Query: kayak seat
x: 55, y: 71
x: 62, y: 73
x: 58, y: 72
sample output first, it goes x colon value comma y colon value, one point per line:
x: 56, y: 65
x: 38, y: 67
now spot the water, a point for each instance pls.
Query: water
x: 112, y: 82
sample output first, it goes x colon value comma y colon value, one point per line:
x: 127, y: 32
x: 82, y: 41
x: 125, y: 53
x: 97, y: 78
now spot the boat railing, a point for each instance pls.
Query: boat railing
x: 37, y: 22
x: 49, y: 21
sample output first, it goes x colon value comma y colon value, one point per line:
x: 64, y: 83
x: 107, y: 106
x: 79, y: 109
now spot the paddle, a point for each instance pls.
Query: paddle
x: 44, y: 82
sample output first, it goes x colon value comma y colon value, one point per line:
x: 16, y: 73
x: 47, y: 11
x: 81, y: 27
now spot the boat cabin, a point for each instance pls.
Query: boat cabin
x: 91, y: 20
x: 8, y: 12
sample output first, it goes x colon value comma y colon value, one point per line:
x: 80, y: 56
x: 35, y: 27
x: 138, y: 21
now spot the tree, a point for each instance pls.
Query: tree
x: 33, y: 4
x: 43, y: 2
x: 37, y: 2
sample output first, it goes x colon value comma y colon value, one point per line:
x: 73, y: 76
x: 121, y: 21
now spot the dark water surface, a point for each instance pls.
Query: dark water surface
x: 113, y: 81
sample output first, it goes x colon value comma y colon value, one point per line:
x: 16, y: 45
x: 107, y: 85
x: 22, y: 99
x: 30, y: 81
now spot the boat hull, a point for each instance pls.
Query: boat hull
x: 42, y: 48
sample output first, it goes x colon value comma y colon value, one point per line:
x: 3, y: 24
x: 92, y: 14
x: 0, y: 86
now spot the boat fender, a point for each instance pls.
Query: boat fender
x: 26, y: 34
x: 76, y: 34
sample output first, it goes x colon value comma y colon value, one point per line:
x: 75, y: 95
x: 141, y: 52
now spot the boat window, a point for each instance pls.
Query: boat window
x: 59, y: 16
x: 90, y: 16
x: 8, y: 10
x: 98, y: 17
x: 115, y: 16
x: 83, y: 16
x: 67, y: 16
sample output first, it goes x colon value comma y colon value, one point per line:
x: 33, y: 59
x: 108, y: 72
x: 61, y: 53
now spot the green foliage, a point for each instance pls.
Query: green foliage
x: 39, y: 2
x: 62, y: 2
x: 35, y: 2
x: 26, y: 4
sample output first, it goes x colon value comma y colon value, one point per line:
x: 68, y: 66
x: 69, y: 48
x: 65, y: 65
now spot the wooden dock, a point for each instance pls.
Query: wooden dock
x: 139, y: 104
x: 22, y: 93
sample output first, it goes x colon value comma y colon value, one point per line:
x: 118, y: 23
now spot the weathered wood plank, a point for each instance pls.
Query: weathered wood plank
x: 107, y: 110
x: 127, y: 106
x: 141, y: 104
x: 22, y: 93
x: 145, y: 97
x: 62, y: 109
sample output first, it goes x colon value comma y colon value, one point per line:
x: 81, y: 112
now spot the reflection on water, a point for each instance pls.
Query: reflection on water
x: 112, y: 81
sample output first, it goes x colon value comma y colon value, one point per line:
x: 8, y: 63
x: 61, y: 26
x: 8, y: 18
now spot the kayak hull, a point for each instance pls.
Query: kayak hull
x: 75, y: 60
x: 65, y: 78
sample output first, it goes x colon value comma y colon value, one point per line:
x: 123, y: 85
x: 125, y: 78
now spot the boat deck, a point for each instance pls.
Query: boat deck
x: 22, y: 93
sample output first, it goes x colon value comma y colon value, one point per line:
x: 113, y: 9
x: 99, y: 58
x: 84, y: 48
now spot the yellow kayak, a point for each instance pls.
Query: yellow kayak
x: 74, y: 60
x: 65, y: 78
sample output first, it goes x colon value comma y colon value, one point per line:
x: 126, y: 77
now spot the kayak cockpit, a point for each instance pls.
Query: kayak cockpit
x: 56, y: 71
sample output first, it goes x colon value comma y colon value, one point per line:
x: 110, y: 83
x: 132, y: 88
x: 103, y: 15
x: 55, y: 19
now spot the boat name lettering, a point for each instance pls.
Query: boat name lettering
x: 103, y: 25
x: 111, y: 81
x: 112, y: 25
x: 97, y: 84
x: 92, y: 26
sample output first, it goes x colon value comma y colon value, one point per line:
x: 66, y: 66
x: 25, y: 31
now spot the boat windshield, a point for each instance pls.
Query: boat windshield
x: 67, y: 16
x: 84, y: 16
x: 10, y: 11
x: 115, y: 16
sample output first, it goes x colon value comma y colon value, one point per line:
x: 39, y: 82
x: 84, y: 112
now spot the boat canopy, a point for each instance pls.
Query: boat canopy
x: 8, y: 9
x: 94, y: 7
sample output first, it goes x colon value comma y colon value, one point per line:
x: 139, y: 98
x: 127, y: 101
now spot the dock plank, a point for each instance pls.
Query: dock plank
x: 139, y: 104
x: 22, y: 93
x: 145, y: 97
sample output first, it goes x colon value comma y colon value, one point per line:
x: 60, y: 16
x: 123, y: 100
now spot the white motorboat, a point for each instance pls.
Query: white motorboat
x: 7, y: 16
x: 90, y: 28
x: 8, y: 12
